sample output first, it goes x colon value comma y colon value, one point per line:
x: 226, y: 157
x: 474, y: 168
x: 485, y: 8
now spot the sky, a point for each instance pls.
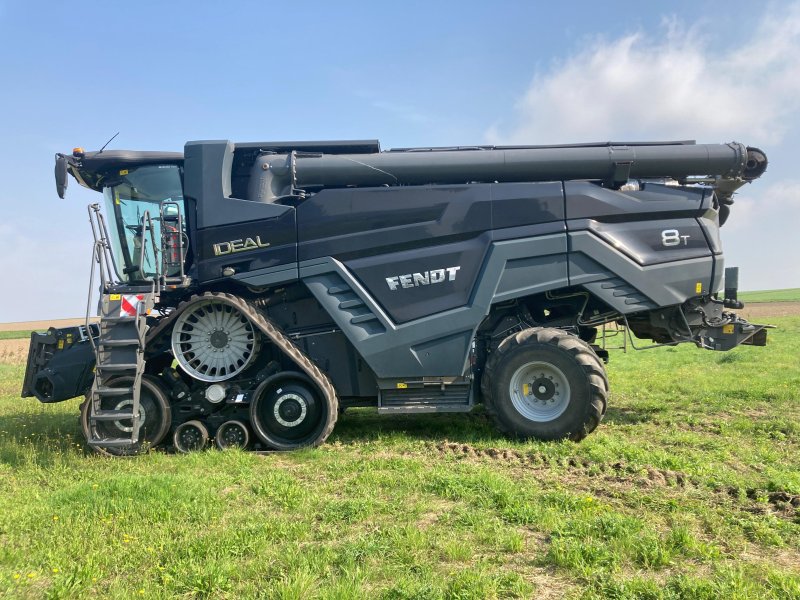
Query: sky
x: 408, y: 73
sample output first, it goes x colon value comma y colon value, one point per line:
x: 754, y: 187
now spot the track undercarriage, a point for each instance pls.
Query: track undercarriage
x: 240, y: 382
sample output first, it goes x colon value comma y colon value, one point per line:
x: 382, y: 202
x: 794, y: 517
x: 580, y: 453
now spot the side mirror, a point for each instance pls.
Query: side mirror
x: 61, y: 175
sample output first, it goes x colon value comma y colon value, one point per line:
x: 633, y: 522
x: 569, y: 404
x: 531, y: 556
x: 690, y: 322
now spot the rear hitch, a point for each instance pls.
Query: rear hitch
x: 716, y: 329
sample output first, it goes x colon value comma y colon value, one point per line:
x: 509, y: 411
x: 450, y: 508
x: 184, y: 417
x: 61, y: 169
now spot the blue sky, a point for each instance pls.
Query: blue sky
x: 407, y: 73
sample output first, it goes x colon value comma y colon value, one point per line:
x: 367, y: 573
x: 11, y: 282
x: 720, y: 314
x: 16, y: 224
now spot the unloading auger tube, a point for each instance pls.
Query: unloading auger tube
x: 615, y: 164
x: 283, y: 344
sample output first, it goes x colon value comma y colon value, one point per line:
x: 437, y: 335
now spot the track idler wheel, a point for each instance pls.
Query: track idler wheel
x: 232, y: 434
x: 289, y: 412
x: 155, y: 417
x: 190, y: 436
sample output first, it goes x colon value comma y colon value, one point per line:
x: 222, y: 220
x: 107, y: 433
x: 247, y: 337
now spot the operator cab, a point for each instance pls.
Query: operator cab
x: 144, y: 206
x: 153, y: 189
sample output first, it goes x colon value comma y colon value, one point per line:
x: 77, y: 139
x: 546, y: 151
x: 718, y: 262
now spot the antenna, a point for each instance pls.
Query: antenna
x: 108, y: 142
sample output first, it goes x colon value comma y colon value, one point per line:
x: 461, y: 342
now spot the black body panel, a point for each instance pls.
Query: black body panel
x: 240, y: 246
x: 423, y: 281
x: 517, y: 204
x: 643, y: 241
x: 415, y: 235
x: 350, y: 223
x: 588, y: 201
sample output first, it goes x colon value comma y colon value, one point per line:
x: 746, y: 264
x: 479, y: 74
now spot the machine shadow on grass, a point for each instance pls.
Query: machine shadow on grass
x: 45, y: 438
x: 361, y: 425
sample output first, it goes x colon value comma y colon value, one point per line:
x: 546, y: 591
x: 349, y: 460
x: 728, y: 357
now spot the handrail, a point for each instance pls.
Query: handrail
x: 104, y: 255
x: 95, y: 259
x: 155, y: 279
x: 110, y: 260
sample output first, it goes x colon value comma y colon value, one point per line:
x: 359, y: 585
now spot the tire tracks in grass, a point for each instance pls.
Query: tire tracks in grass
x: 779, y: 503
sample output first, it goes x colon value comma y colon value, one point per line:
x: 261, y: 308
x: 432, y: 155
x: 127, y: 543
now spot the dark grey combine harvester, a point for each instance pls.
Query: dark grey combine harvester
x: 250, y: 292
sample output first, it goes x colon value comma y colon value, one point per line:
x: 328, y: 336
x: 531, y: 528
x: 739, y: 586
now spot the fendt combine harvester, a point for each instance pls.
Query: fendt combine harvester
x: 251, y: 292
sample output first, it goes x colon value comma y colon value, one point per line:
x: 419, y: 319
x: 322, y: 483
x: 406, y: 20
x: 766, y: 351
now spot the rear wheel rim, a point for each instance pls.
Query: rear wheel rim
x: 539, y: 391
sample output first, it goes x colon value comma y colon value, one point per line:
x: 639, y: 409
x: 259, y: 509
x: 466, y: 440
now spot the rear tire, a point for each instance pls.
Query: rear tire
x: 545, y: 383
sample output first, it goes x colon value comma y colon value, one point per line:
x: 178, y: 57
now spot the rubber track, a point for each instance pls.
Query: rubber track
x: 283, y: 343
x: 581, y: 352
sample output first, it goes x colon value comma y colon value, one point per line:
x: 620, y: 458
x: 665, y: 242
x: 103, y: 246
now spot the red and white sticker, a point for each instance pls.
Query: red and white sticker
x: 129, y: 304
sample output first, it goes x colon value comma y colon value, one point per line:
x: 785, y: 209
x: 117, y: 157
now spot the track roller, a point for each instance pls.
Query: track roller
x: 232, y: 434
x: 190, y: 437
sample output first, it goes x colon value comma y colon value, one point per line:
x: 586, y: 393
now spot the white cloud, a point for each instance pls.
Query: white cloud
x: 671, y: 87
x: 681, y: 86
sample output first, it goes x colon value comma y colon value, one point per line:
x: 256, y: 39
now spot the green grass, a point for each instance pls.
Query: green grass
x: 684, y: 491
x: 788, y: 295
x: 15, y: 335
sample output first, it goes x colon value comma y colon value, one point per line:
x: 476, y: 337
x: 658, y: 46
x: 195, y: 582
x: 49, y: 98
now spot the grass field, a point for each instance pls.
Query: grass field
x: 689, y: 489
x: 15, y: 335
x: 788, y: 295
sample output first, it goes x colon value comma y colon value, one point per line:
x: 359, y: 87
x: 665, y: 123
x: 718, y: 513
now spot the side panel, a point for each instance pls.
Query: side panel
x: 419, y: 250
x: 639, y: 250
x: 438, y: 344
x: 354, y: 223
x: 588, y: 201
x: 248, y: 247
x: 415, y: 283
x: 651, y: 242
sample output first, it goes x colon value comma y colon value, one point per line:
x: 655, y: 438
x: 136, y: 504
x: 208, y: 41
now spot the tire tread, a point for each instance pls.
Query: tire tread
x: 583, y: 355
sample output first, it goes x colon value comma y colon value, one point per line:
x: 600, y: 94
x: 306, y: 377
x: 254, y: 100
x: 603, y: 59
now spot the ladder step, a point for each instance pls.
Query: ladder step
x: 119, y: 367
x: 112, y: 343
x: 112, y: 443
x: 123, y: 319
x: 112, y: 415
x: 112, y: 391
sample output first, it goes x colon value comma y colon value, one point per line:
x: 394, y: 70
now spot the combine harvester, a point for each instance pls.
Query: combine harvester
x: 251, y: 292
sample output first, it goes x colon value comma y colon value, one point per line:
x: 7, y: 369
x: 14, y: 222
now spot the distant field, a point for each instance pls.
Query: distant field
x: 788, y: 295
x: 690, y: 488
x: 23, y: 329
x: 40, y: 325
x: 14, y: 335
